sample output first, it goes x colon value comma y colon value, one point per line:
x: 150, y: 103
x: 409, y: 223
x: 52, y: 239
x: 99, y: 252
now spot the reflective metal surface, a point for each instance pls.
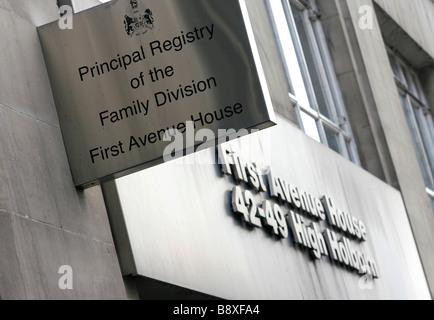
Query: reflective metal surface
x: 181, y: 228
x: 129, y: 71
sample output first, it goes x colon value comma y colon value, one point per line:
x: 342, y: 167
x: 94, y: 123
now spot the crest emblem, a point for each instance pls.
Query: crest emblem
x: 134, y: 4
x: 138, y: 19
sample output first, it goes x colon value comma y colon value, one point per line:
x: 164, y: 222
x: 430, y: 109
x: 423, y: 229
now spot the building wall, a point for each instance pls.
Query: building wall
x: 45, y: 222
x: 357, y: 95
x: 406, y: 13
x: 393, y: 123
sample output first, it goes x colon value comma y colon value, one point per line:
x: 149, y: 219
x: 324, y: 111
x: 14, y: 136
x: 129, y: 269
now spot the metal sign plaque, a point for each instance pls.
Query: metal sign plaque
x: 131, y: 73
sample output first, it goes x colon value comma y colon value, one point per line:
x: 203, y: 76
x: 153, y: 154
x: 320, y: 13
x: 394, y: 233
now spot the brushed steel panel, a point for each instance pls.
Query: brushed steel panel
x: 120, y: 76
x: 182, y: 229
